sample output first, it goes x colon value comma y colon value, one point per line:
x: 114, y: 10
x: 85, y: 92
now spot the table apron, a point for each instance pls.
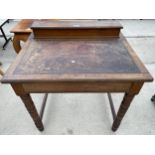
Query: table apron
x: 77, y: 87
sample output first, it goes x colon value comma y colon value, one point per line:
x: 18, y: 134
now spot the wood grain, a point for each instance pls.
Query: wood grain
x: 78, y: 28
x: 77, y: 64
x: 108, y: 59
x: 76, y: 57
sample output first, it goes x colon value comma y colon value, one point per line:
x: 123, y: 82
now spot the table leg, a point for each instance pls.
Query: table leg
x: 128, y: 97
x: 16, y: 44
x: 27, y: 100
x: 122, y: 110
x: 16, y: 41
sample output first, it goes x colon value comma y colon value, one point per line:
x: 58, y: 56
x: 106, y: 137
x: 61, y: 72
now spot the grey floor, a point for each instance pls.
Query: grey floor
x: 84, y: 113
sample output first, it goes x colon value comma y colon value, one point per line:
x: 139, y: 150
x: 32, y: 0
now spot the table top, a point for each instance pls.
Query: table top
x: 76, y: 57
x: 106, y: 59
x: 79, y: 58
x: 23, y: 26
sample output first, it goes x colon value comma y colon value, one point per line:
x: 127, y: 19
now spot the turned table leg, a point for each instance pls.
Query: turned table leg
x: 27, y: 100
x: 122, y: 110
x: 128, y: 97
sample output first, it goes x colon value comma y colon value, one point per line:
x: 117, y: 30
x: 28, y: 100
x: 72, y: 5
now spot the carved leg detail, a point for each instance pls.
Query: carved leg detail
x: 122, y: 110
x: 16, y: 44
x: 17, y: 40
x: 27, y: 100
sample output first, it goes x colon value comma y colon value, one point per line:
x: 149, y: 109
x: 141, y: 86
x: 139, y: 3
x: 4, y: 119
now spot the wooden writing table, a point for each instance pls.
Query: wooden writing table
x: 77, y: 63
